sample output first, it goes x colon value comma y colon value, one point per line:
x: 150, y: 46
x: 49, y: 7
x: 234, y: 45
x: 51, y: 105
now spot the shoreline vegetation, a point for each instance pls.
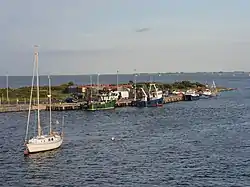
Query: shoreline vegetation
x: 60, y: 92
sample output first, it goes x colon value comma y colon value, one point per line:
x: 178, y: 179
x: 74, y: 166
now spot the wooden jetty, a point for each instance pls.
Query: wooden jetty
x: 173, y: 98
x: 75, y: 106
x: 19, y: 107
x: 123, y: 103
x: 64, y: 106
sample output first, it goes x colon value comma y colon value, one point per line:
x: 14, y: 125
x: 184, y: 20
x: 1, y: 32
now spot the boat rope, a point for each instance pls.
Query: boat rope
x: 30, y: 103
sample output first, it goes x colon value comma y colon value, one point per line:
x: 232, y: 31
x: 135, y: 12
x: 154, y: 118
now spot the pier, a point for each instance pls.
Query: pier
x: 19, y: 107
x: 64, y: 106
x: 173, y: 98
x: 124, y: 102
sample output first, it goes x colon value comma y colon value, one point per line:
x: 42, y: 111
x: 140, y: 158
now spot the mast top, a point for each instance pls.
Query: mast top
x: 36, y: 49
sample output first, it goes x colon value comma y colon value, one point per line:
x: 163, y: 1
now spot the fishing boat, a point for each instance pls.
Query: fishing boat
x: 191, y: 95
x: 41, y: 142
x: 101, y: 102
x: 100, y: 105
x: 154, y: 97
x: 206, y: 94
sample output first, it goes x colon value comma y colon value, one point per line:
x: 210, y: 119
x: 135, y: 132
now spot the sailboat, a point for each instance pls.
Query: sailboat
x: 41, y: 142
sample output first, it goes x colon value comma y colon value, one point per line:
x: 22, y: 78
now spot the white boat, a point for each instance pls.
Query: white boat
x: 207, y: 93
x: 191, y: 95
x: 177, y: 92
x: 41, y: 142
x: 210, y: 92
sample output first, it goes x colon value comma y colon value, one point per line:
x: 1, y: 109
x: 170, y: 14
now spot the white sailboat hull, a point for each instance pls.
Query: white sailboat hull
x: 44, y: 143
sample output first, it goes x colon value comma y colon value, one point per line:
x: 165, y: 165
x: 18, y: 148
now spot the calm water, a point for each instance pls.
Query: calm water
x: 201, y: 143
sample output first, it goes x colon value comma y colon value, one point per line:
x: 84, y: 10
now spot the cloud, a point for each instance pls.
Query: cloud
x: 143, y: 29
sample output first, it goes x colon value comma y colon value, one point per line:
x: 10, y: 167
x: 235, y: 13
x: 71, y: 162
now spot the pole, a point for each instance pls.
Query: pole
x: 50, y: 95
x: 7, y: 88
x: 91, y: 83
x: 150, y: 78
x: 98, y: 83
x: 117, y: 79
x: 37, y: 90
x: 135, y: 84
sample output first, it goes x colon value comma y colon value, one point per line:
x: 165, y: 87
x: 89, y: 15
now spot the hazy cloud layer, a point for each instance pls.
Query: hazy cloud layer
x: 93, y: 36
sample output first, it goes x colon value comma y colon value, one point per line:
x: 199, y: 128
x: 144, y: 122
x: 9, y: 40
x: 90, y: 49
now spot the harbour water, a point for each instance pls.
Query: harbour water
x: 199, y: 143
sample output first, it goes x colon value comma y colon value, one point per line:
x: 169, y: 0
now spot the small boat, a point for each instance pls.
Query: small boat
x: 41, y: 142
x: 208, y: 93
x: 191, y: 95
x: 177, y: 92
x: 100, y: 105
x: 154, y: 98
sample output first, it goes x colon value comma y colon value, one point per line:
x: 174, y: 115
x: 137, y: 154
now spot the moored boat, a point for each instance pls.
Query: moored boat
x: 154, y: 97
x: 100, y: 105
x: 208, y: 93
x: 191, y: 95
x: 41, y: 142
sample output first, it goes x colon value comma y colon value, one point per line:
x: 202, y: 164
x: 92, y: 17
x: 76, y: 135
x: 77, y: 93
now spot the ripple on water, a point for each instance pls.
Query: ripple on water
x: 201, y: 143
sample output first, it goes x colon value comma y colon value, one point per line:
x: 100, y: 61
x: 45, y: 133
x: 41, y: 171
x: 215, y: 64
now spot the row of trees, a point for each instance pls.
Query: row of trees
x: 172, y: 86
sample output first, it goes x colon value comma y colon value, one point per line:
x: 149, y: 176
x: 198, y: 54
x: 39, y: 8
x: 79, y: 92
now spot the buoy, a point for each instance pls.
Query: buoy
x: 26, y: 152
x: 112, y: 138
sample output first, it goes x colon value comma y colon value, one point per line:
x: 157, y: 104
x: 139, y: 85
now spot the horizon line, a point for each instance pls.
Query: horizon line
x: 136, y: 72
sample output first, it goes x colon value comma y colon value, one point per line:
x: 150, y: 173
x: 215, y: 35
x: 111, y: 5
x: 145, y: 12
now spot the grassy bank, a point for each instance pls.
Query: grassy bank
x: 23, y: 94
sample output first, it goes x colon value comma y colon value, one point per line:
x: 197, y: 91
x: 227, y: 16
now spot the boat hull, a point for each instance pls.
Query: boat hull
x: 206, y: 96
x: 202, y: 96
x: 46, y: 143
x: 191, y: 97
x: 101, y: 106
x: 150, y: 103
x: 105, y: 108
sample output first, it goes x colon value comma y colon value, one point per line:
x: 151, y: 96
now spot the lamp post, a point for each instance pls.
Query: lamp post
x: 117, y: 79
x: 91, y: 83
x: 98, y: 82
x: 7, y: 88
x: 135, y: 83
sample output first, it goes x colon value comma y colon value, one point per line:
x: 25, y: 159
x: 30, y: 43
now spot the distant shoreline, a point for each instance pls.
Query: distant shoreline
x: 140, y: 73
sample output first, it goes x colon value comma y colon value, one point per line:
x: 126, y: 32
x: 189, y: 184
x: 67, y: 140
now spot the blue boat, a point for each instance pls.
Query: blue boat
x: 152, y: 99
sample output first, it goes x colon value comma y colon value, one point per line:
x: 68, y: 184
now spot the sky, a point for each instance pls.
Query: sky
x: 103, y: 36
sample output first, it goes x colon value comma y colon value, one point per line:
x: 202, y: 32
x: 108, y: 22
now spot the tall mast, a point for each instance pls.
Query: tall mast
x: 30, y: 103
x: 50, y: 95
x: 37, y: 87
